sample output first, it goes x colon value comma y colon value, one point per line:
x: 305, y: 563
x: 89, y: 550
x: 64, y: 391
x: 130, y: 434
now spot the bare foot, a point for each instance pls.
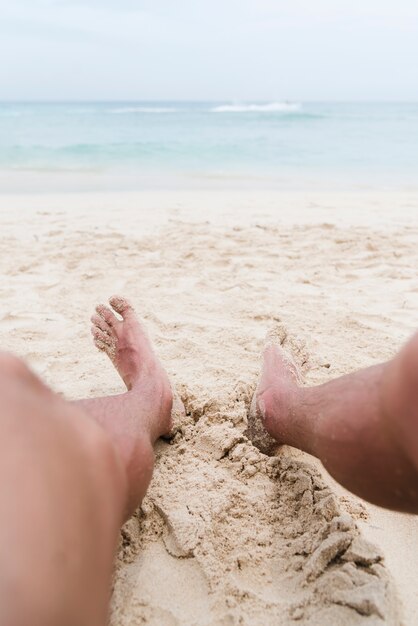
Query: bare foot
x: 270, y: 417
x: 126, y: 343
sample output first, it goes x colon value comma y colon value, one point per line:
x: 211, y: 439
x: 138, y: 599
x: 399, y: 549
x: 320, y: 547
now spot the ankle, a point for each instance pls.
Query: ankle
x: 155, y: 396
x: 279, y: 406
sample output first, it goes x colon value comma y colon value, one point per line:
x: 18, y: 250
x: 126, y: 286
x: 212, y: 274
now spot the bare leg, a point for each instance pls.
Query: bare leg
x: 363, y: 427
x: 63, y: 494
x: 67, y: 483
x: 137, y: 418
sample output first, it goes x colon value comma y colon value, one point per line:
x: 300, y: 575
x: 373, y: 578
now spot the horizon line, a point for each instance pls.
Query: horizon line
x: 202, y: 101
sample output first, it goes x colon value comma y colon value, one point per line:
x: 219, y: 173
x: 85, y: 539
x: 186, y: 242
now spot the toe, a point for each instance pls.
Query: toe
x: 105, y: 346
x: 107, y: 315
x: 100, y: 345
x: 120, y: 305
x: 100, y: 323
x: 100, y: 335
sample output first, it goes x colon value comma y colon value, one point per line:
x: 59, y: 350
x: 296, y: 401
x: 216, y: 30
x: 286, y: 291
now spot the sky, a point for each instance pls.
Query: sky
x: 224, y: 50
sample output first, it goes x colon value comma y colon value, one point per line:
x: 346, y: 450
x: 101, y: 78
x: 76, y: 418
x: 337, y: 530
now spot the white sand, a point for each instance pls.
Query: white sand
x: 226, y: 536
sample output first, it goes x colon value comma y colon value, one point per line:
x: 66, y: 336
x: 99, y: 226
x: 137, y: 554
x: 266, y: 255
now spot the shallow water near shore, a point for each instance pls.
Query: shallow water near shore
x: 137, y: 145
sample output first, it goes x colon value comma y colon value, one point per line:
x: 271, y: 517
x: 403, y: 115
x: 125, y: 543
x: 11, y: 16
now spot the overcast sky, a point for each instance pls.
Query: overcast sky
x: 239, y: 50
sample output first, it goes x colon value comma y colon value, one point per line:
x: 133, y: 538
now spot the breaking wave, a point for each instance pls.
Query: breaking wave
x: 272, y: 107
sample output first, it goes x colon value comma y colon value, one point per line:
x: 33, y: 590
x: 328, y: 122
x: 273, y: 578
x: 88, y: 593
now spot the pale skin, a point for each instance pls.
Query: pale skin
x: 71, y: 473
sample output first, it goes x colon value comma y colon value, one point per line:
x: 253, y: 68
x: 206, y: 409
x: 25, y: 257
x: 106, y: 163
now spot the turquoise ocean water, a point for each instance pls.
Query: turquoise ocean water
x: 152, y: 144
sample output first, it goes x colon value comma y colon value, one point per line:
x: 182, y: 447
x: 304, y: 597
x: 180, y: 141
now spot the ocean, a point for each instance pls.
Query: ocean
x: 138, y: 145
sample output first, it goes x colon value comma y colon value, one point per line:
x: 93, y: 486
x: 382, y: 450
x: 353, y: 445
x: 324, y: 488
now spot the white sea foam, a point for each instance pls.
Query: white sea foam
x: 272, y: 107
x: 125, y: 110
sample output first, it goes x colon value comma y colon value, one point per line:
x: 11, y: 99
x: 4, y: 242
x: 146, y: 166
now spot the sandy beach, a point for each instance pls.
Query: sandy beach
x: 227, y: 536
